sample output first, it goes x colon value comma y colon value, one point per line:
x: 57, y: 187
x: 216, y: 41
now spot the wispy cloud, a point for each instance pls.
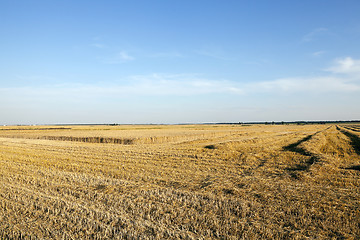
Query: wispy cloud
x: 173, y: 54
x: 314, y: 34
x: 125, y: 56
x: 342, y: 77
x: 257, y: 62
x: 98, y: 38
x: 120, y: 57
x: 98, y: 45
x: 34, y: 78
x: 213, y: 52
x: 318, y: 53
x: 180, y: 85
x: 112, y: 55
x: 307, y: 84
x: 139, y: 85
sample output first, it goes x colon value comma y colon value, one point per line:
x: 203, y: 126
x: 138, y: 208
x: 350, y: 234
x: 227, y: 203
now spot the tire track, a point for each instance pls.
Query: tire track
x: 298, y: 147
x: 354, y: 141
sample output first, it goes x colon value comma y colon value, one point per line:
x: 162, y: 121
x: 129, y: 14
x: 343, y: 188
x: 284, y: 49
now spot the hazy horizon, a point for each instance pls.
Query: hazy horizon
x: 191, y: 123
x: 166, y: 62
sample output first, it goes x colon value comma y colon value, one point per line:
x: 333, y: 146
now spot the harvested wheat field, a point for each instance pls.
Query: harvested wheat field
x: 180, y: 182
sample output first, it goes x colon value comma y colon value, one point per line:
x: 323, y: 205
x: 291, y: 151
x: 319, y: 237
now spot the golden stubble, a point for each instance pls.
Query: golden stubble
x: 180, y: 181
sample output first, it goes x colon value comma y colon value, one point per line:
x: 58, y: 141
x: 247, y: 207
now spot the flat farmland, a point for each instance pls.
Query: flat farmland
x: 180, y: 182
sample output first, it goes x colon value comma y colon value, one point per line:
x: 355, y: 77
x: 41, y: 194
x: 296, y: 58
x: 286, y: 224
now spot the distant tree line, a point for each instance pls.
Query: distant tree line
x: 302, y: 122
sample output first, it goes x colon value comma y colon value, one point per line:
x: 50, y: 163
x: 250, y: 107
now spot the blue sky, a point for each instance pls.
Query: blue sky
x: 178, y: 61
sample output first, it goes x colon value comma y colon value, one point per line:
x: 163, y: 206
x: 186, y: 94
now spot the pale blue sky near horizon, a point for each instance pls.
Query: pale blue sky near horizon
x: 178, y: 61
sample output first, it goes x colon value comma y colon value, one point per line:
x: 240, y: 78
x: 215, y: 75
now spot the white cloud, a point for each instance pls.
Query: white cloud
x: 139, y: 85
x: 310, y: 84
x: 180, y: 84
x: 345, y: 65
x: 343, y: 76
x: 193, y: 85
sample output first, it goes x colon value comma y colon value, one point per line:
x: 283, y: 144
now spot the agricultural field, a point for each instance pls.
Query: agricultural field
x: 180, y: 182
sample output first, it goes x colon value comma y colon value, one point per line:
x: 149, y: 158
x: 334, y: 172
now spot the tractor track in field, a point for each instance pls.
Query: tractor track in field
x: 354, y: 141
x: 298, y: 147
x: 343, y: 139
